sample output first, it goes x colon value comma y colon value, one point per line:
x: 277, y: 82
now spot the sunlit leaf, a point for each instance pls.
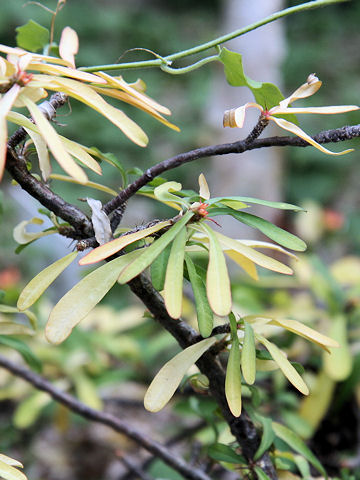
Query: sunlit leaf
x: 69, y: 45
x: 81, y: 153
x: 167, y: 380
x: 204, y: 313
x: 339, y: 363
x: 233, y: 379
x: 245, y: 263
x: 32, y: 36
x: 285, y: 366
x: 295, y: 442
x: 37, y: 286
x: 248, y: 355
x: 8, y: 472
x: 10, y: 461
x: 83, y: 297
x: 109, y: 248
x: 150, y: 253
x: 173, y: 286
x: 217, y: 278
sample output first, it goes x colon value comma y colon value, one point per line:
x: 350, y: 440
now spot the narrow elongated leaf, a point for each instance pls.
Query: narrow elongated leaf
x: 339, y: 363
x: 224, y: 453
x: 83, y: 297
x: 79, y: 151
x: 30, y: 358
x: 233, y: 379
x: 174, y: 276
x: 285, y: 366
x: 248, y: 355
x: 245, y: 263
x: 295, y: 442
x: 257, y: 201
x: 54, y: 143
x: 217, y: 278
x: 10, y: 461
x: 6, y: 103
x: 109, y: 248
x: 204, y: 313
x: 37, y: 286
x: 150, y: 253
x: 158, y: 269
x: 167, y: 380
x: 42, y: 153
x: 9, y: 472
x: 12, y: 328
x: 261, y: 474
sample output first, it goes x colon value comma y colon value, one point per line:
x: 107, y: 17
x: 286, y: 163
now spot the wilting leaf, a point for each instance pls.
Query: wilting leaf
x: 83, y: 297
x: 248, y: 355
x: 285, y: 366
x: 204, y: 313
x: 32, y: 36
x: 174, y: 276
x: 233, y: 379
x: 100, y: 221
x: 37, y: 286
x: 338, y: 364
x: 167, y: 380
x: 22, y: 236
x: 295, y: 442
x: 150, y: 253
x: 217, y: 278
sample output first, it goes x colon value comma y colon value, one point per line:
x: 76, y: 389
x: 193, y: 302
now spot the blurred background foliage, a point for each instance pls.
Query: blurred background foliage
x: 118, y: 350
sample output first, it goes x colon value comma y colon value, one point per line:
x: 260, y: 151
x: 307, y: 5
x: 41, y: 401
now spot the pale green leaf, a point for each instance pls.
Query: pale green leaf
x: 162, y: 193
x: 37, y: 286
x: 42, y: 153
x: 217, y: 278
x: 173, y: 286
x: 339, y: 363
x: 69, y: 45
x: 86, y: 391
x: 10, y: 461
x: 248, y: 355
x: 12, y: 328
x: 149, y: 254
x: 204, y: 313
x: 295, y: 442
x: 167, y: 380
x: 233, y: 380
x: 22, y: 236
x: 29, y: 409
x: 8, y: 472
x: 258, y: 201
x: 83, y: 297
x: 285, y: 366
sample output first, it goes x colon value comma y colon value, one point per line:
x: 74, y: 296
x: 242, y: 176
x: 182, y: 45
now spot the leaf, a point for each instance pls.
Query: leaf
x: 12, y: 328
x: 257, y: 201
x: 204, y: 188
x: 224, y: 453
x: 30, y: 358
x: 10, y: 461
x: 54, y: 142
x: 277, y: 234
x: 158, y: 269
x: 167, y: 380
x: 29, y: 409
x: 339, y: 363
x: 295, y: 442
x: 204, y: 313
x: 248, y: 355
x: 81, y: 153
x: 261, y: 474
x: 268, y: 435
x: 100, y: 221
x: 42, y: 153
x: 217, y: 278
x: 69, y: 45
x: 150, y: 253
x: 37, y: 286
x: 8, y: 472
x: 32, y: 36
x: 86, y: 391
x: 233, y: 379
x: 97, y: 186
x: 22, y: 236
x: 108, y: 249
x: 285, y: 366
x: 83, y: 297
x: 111, y: 159
x: 162, y: 193
x: 6, y: 103
x: 174, y: 276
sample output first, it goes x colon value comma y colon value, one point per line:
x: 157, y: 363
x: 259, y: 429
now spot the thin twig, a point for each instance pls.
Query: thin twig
x: 104, y: 418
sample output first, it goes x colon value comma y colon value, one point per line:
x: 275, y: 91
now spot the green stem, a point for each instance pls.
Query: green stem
x: 213, y: 43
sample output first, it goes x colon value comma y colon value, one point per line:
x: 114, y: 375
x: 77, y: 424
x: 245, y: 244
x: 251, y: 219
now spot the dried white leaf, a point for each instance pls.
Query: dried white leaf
x: 100, y: 221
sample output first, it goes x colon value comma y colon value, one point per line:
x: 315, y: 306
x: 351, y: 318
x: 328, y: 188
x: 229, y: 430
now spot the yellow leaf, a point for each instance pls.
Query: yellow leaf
x: 69, y: 45
x: 54, y: 142
x: 6, y: 102
x: 233, y: 380
x: 97, y: 186
x: 42, y: 153
x: 247, y: 265
x: 78, y: 151
x: 22, y: 236
x: 10, y: 461
x: 305, y: 90
x: 108, y: 249
x: 36, y: 287
x: 204, y: 187
x: 166, y: 381
x: 236, y: 117
x: 66, y: 71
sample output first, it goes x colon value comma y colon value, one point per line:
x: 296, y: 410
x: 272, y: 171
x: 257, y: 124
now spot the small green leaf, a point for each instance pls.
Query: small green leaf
x: 295, y: 442
x: 261, y: 474
x: 30, y: 358
x: 32, y: 36
x: 217, y: 278
x: 158, y: 269
x: 267, y: 437
x: 83, y: 297
x: 233, y: 379
x: 149, y: 254
x: 204, y: 313
x: 37, y: 286
x: 223, y: 453
x: 167, y: 380
x: 248, y: 355
x: 29, y: 409
x: 173, y: 287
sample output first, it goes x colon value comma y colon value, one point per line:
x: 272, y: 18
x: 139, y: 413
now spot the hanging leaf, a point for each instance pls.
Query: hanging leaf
x: 158, y: 269
x: 167, y: 380
x: 233, y: 379
x: 83, y: 297
x: 37, y: 286
x: 149, y: 254
x: 217, y: 278
x: 285, y: 366
x: 204, y: 313
x: 295, y: 442
x: 173, y: 287
x: 42, y: 153
x: 32, y: 36
x: 248, y: 355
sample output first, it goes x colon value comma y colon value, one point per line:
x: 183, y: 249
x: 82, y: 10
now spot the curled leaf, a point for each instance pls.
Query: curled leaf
x: 22, y: 236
